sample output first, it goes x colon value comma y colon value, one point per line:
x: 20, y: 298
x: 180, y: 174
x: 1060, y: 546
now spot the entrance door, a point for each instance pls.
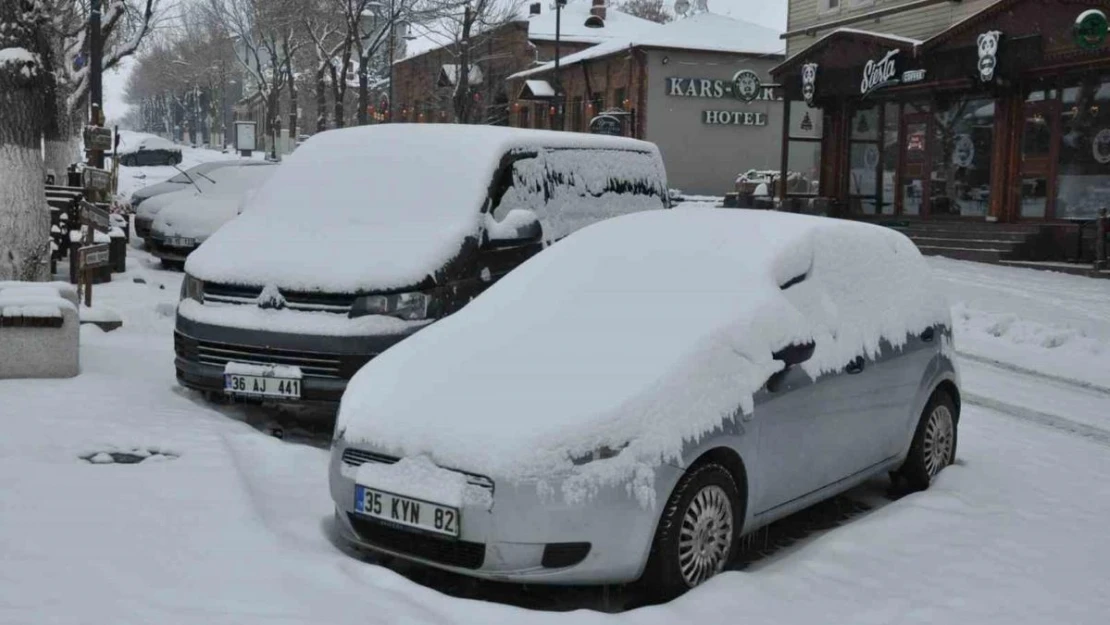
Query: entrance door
x: 1039, y: 155
x: 913, y: 180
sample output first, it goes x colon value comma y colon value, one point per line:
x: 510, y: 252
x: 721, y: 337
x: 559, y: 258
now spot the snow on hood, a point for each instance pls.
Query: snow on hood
x: 154, y: 205
x: 648, y: 329
x: 198, y: 215
x: 368, y: 208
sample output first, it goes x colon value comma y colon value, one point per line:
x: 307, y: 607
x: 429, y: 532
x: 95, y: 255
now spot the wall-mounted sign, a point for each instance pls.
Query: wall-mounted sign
x: 809, y: 82
x: 607, y: 125
x: 96, y: 179
x: 963, y: 151
x: 98, y: 138
x: 1090, y: 28
x: 1100, y: 146
x: 734, y: 118
x: 745, y: 86
x: 879, y: 74
x: 988, y: 54
x: 915, y: 141
x: 93, y: 256
x: 913, y: 75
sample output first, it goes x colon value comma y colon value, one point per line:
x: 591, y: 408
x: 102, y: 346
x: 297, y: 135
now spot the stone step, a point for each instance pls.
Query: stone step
x: 973, y: 235
x: 976, y: 226
x: 967, y: 244
x: 962, y: 253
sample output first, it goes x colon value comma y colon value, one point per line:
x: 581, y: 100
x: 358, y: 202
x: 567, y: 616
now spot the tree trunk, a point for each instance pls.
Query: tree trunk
x: 337, y: 93
x: 24, y: 87
x: 293, y: 121
x: 363, y: 93
x: 321, y: 101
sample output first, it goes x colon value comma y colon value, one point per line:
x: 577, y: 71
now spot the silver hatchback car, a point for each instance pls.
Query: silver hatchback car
x: 631, y: 401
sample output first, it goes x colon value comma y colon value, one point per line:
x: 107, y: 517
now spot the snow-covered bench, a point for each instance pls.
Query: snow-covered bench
x: 39, y: 330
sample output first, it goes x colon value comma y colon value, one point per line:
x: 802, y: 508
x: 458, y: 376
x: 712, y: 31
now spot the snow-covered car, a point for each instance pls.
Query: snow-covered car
x: 372, y: 233
x: 198, y: 181
x: 142, y: 150
x: 180, y: 182
x: 181, y: 227
x: 630, y: 402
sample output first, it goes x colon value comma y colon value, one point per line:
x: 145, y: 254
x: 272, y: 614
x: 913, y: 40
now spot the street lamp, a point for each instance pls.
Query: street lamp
x: 559, y: 4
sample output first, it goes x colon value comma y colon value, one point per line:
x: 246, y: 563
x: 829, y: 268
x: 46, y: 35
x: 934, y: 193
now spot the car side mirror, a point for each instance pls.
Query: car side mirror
x: 519, y: 227
x: 795, y: 353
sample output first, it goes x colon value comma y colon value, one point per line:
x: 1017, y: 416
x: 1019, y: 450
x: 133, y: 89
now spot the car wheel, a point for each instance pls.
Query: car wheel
x: 698, y: 532
x: 934, y: 442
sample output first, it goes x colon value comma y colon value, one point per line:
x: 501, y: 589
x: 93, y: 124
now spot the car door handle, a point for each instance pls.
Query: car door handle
x: 855, y: 366
x: 927, y: 335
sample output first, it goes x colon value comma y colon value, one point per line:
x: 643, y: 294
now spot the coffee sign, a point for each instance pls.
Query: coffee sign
x: 880, y: 73
x: 1090, y: 28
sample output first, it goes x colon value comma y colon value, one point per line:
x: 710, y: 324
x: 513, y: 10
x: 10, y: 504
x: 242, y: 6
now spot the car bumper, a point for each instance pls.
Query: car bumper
x: 522, y: 537
x: 327, y: 362
x: 142, y: 226
x: 160, y: 250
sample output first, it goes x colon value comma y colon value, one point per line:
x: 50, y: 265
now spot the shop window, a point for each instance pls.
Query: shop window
x: 803, y: 161
x: 598, y: 101
x: 891, y: 119
x: 541, y: 116
x: 963, y: 138
x: 619, y: 99
x: 1083, y: 176
x: 525, y: 120
x: 1036, y: 159
x: 864, y: 156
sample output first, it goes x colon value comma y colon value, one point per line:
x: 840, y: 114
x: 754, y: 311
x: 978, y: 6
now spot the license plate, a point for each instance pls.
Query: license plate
x: 180, y: 242
x: 406, y: 511
x: 288, y: 388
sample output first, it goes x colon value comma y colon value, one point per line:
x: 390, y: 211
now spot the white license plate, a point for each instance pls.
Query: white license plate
x: 288, y: 388
x: 407, y: 511
x: 180, y: 242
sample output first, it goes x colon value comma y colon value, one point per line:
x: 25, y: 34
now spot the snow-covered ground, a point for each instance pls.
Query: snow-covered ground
x: 226, y: 524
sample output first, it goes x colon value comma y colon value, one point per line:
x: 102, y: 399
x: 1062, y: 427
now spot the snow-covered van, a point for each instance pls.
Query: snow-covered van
x: 370, y: 234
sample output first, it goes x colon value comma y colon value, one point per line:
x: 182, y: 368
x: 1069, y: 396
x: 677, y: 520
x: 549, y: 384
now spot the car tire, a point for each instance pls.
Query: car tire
x: 934, y: 442
x: 698, y: 532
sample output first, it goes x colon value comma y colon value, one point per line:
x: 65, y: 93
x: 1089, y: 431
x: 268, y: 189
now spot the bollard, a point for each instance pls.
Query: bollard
x: 1100, y: 241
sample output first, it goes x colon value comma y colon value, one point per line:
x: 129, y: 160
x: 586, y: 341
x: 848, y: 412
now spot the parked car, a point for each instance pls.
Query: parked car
x: 180, y: 182
x: 630, y: 402
x: 181, y: 227
x: 202, y: 180
x: 137, y: 149
x: 370, y: 234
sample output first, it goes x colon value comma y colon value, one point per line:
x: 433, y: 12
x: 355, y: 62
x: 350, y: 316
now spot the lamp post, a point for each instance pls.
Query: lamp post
x: 96, y: 91
x: 559, y: 4
x: 392, y: 39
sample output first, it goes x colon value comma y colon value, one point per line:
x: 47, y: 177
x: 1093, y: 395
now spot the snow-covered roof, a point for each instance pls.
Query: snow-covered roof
x: 573, y: 29
x: 371, y: 208
x: 540, y: 88
x: 895, y: 39
x: 643, y: 330
x: 704, y: 32
x: 450, y: 74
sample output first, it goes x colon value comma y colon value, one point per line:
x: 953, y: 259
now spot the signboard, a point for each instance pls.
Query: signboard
x: 94, y: 216
x: 988, y: 54
x: 98, y: 138
x: 607, y: 125
x: 1090, y: 28
x: 745, y: 86
x: 245, y: 140
x: 734, y: 118
x: 96, y: 179
x: 809, y: 83
x: 879, y: 74
x: 93, y: 256
x: 1100, y: 147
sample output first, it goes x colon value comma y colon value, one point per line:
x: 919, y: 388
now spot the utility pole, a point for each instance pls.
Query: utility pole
x: 392, y: 39
x: 558, y: 83
x: 96, y: 90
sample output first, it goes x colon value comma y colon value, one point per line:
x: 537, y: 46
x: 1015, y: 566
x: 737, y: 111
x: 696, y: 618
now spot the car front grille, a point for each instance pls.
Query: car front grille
x: 459, y: 553
x: 218, y: 354
x: 315, y: 302
x: 358, y: 457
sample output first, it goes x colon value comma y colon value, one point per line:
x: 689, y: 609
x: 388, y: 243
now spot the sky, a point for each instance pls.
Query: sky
x: 769, y: 13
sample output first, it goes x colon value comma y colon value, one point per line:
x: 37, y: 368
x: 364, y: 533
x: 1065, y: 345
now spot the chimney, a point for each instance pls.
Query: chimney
x: 598, y: 9
x: 533, y: 9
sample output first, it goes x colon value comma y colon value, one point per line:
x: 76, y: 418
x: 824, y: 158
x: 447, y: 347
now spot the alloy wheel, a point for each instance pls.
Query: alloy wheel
x: 938, y: 440
x: 705, y: 538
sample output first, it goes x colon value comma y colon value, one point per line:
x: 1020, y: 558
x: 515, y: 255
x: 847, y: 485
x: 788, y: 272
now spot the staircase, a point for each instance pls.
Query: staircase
x: 979, y: 241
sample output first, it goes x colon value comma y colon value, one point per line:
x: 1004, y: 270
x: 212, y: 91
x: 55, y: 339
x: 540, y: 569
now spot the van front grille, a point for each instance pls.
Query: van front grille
x: 311, y: 363
x: 316, y: 302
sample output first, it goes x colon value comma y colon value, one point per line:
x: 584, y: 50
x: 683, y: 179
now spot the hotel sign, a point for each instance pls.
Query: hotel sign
x: 742, y: 87
x: 734, y: 118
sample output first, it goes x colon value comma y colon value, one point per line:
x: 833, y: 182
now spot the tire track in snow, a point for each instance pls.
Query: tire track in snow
x: 1056, y: 422
x: 998, y: 364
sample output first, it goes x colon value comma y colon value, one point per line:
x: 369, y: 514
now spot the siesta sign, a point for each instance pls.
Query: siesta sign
x: 880, y: 73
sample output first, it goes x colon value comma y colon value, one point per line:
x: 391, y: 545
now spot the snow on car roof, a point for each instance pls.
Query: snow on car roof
x: 409, y: 194
x: 647, y: 329
x: 130, y: 142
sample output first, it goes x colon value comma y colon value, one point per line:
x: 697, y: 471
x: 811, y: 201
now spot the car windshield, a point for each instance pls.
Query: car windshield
x: 199, y: 170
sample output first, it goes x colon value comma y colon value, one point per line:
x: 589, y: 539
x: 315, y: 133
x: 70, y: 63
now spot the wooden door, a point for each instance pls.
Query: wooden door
x: 1039, y: 155
x: 915, y: 165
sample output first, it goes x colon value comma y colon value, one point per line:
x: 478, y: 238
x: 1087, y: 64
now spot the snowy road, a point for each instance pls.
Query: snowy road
x: 235, y: 529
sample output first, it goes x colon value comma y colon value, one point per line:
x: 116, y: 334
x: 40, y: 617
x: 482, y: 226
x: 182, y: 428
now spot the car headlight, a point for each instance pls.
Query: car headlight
x: 192, y: 288
x: 601, y: 453
x: 407, y: 306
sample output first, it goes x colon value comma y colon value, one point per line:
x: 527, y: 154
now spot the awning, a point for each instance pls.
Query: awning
x: 536, y: 90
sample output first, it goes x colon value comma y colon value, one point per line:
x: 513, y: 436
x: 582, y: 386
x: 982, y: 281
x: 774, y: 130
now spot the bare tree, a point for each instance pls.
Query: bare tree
x: 327, y: 36
x: 25, y: 86
x: 652, y: 10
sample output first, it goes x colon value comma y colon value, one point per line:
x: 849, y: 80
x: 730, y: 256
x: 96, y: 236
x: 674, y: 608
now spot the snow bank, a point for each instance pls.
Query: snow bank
x: 27, y: 348
x: 370, y: 208
x: 646, y: 330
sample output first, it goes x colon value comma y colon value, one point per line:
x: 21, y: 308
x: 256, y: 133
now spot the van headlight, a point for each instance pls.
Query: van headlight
x: 407, y: 306
x: 192, y: 288
x: 601, y: 453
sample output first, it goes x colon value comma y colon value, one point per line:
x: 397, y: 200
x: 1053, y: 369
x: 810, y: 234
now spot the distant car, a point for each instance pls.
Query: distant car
x: 181, y: 227
x: 201, y: 180
x: 179, y: 182
x: 143, y: 150
x: 631, y: 401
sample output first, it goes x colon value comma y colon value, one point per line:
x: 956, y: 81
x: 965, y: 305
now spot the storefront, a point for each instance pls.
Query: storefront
x: 1003, y: 117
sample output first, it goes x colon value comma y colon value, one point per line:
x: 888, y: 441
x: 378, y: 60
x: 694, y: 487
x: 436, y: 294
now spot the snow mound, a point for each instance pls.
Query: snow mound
x: 646, y: 330
x: 371, y: 208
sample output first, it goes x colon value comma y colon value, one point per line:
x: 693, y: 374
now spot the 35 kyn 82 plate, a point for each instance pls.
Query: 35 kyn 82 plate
x: 424, y: 515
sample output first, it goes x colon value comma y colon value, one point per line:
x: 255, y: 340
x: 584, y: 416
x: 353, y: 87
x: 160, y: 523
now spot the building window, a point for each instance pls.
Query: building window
x: 541, y: 116
x: 1083, y: 178
x: 865, y: 154
x: 963, y: 140
x: 828, y: 6
x: 803, y: 164
x: 598, y: 101
x: 525, y: 122
x: 619, y: 99
x: 576, y: 111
